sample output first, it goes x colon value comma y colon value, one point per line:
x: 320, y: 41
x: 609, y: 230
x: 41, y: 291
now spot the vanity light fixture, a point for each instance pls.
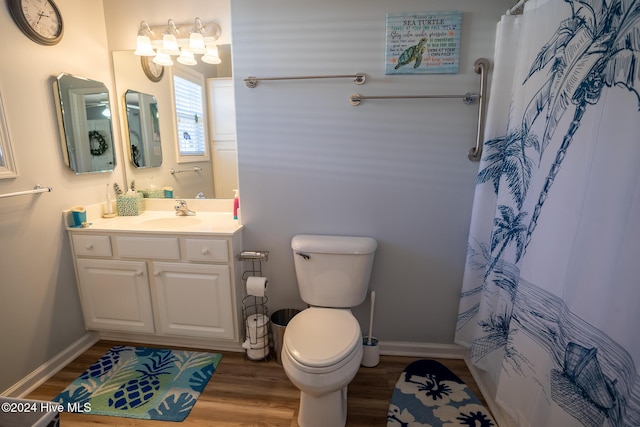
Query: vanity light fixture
x: 183, y: 41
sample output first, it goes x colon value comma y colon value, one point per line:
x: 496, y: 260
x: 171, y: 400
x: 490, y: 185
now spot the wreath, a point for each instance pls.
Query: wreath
x: 101, y: 147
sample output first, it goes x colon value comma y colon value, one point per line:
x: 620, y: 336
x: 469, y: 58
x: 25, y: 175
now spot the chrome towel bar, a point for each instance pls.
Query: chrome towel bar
x: 468, y: 98
x: 193, y: 169
x: 481, y: 66
x: 36, y: 190
x: 358, y: 78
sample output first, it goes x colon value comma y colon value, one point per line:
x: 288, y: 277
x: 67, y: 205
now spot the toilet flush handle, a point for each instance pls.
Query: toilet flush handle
x: 303, y: 255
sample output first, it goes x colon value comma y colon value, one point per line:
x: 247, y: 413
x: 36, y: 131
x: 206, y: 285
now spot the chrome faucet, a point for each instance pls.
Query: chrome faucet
x: 182, y: 209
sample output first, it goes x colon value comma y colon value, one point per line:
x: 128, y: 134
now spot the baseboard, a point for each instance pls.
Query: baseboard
x: 416, y: 349
x: 45, y: 371
x: 202, y: 343
x: 488, y: 391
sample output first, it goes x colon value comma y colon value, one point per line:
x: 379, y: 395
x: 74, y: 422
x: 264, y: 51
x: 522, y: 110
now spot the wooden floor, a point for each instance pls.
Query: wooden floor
x: 247, y: 393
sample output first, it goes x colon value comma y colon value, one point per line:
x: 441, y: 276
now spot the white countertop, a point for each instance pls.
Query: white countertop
x: 160, y: 221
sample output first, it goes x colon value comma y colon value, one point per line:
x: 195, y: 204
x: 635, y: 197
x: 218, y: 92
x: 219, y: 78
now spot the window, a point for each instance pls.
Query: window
x: 188, y: 92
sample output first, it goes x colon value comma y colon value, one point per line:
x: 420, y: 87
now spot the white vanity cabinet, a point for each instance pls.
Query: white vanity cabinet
x: 160, y: 287
x: 115, y: 295
x: 193, y: 300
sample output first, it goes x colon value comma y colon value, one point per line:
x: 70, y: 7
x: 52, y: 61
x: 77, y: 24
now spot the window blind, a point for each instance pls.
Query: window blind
x: 189, y: 114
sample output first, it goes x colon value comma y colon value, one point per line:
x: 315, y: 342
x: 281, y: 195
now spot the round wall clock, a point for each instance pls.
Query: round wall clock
x: 40, y: 20
x: 152, y: 70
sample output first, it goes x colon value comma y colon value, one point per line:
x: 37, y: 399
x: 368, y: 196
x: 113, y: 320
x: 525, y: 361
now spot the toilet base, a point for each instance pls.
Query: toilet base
x: 328, y: 410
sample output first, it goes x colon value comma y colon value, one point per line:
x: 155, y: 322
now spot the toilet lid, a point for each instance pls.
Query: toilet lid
x: 322, y: 336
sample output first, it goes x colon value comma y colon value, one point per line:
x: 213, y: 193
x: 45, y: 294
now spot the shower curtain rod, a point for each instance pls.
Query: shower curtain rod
x: 516, y: 9
x: 36, y: 190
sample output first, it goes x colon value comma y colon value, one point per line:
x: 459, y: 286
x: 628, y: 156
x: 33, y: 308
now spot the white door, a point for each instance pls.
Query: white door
x: 222, y: 124
x: 115, y: 295
x: 194, y: 300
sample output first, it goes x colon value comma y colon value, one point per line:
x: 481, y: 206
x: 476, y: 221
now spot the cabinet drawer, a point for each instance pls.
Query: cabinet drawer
x: 206, y: 250
x: 92, y: 245
x: 148, y: 247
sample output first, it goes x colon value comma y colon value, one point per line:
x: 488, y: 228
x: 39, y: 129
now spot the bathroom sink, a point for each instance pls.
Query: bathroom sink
x: 171, y: 222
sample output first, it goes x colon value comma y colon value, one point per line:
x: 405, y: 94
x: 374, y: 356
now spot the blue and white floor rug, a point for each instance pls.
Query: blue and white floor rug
x: 428, y: 394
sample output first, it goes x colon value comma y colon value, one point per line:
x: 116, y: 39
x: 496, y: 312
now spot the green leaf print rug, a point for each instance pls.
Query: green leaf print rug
x: 428, y: 394
x: 140, y: 382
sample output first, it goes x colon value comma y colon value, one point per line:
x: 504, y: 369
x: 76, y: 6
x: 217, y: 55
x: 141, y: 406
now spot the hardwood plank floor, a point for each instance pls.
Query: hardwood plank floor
x: 247, y: 393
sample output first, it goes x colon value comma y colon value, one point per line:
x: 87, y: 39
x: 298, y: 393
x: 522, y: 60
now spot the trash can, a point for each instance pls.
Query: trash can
x: 279, y: 321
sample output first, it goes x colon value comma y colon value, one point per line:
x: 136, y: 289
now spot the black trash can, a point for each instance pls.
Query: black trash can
x: 279, y: 321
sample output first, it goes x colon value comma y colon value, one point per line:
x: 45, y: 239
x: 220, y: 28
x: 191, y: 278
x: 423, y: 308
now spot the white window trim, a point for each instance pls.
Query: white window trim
x: 196, y: 77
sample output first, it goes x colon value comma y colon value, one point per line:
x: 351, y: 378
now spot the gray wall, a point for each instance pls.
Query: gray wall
x: 395, y: 170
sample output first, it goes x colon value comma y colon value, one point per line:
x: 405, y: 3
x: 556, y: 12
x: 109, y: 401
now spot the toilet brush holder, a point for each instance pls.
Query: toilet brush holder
x: 370, y: 352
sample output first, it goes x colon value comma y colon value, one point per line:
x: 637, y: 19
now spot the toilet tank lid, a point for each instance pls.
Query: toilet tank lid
x: 314, y: 243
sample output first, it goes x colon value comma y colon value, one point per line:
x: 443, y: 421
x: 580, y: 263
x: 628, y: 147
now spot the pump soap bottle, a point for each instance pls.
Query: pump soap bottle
x: 236, y: 203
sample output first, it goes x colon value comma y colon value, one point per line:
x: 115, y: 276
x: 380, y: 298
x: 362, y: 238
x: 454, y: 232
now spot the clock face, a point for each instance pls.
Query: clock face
x: 40, y: 20
x: 152, y: 70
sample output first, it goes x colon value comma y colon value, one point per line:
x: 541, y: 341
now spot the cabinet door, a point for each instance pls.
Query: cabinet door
x: 115, y: 295
x: 194, y: 300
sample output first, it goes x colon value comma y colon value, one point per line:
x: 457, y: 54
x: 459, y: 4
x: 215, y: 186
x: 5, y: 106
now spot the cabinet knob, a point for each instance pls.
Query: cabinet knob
x: 139, y: 273
x: 89, y: 247
x: 157, y: 273
x: 204, y: 251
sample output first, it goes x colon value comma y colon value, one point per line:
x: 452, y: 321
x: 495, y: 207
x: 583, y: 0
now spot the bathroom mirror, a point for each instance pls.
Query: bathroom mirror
x: 188, y: 178
x: 143, y: 124
x: 84, y: 119
x: 7, y: 164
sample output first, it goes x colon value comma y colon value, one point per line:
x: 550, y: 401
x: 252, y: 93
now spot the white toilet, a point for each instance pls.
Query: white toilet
x: 322, y: 345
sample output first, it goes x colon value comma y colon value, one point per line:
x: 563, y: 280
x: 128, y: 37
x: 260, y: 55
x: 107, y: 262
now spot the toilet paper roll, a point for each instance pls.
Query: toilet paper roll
x: 258, y: 350
x: 256, y: 286
x: 257, y: 327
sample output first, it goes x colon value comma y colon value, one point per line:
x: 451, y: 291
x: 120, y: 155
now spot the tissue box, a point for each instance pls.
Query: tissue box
x: 130, y: 205
x: 153, y: 193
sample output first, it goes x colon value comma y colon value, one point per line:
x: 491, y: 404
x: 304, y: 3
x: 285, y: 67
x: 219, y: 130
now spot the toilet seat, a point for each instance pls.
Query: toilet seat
x: 320, y: 338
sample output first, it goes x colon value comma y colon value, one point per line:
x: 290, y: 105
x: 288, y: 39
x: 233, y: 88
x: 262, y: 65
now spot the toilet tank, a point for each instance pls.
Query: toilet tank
x: 333, y: 271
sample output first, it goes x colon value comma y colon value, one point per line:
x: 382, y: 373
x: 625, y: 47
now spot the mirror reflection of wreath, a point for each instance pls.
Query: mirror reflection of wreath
x: 97, y: 144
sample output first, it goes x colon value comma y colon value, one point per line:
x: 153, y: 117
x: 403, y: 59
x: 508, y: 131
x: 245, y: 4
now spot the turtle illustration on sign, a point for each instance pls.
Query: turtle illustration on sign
x: 414, y: 53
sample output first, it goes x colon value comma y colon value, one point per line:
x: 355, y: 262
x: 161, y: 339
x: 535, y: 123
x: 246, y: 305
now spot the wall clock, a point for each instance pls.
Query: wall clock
x: 152, y: 70
x: 40, y: 20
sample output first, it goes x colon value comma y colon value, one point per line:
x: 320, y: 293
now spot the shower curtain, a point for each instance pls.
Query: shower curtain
x: 550, y: 304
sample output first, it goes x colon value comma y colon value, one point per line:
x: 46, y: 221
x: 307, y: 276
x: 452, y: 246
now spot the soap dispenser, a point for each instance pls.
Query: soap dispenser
x: 236, y: 203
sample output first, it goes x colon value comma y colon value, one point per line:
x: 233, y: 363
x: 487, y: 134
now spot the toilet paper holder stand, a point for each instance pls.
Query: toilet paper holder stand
x: 255, y: 313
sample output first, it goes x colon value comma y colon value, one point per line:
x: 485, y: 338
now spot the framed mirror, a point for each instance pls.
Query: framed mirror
x: 143, y: 125
x: 7, y: 164
x: 84, y: 119
x: 190, y: 179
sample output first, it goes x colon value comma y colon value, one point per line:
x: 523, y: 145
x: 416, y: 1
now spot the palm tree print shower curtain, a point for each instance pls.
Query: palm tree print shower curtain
x: 550, y: 304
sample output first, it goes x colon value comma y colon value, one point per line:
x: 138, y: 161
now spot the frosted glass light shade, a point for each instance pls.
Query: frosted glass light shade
x: 163, y: 59
x: 211, y: 56
x: 186, y: 57
x: 170, y: 45
x: 196, y: 43
x: 143, y: 46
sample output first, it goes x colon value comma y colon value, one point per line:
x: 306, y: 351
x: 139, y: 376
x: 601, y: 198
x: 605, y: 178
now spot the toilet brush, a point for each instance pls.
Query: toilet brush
x: 373, y: 302
x: 370, y: 348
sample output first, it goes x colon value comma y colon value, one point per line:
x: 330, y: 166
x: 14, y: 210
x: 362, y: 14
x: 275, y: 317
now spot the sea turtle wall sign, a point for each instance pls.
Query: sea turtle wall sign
x: 423, y: 43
